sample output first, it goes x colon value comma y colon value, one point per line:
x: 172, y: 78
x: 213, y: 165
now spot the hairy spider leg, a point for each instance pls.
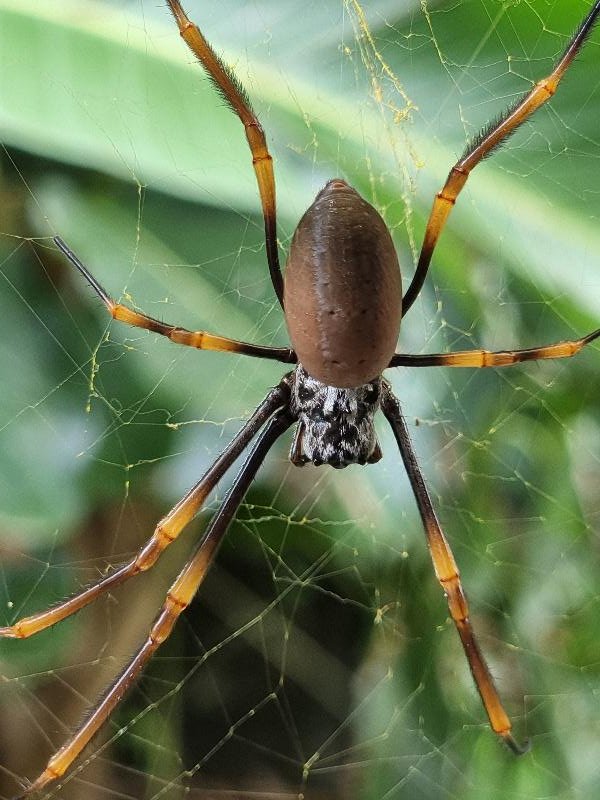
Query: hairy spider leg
x: 234, y: 94
x: 448, y: 576
x: 167, y: 530
x: 497, y: 358
x: 199, y: 339
x: 179, y: 596
x: 482, y: 146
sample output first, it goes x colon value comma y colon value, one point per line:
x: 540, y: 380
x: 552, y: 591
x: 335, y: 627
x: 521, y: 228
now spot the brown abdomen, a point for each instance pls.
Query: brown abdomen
x: 342, y: 289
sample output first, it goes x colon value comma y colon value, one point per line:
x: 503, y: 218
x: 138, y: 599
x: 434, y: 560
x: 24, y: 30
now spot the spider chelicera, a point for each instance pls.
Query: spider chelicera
x: 343, y: 305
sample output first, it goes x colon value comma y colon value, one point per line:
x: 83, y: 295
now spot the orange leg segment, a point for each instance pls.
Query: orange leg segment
x: 448, y: 575
x: 236, y: 98
x: 200, y: 339
x: 498, y: 358
x: 178, y: 598
x: 167, y: 530
x: 483, y: 144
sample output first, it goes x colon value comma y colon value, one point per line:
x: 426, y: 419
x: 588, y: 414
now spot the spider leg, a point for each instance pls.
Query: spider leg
x: 498, y: 358
x: 448, y: 575
x: 179, y: 596
x: 482, y: 146
x: 167, y: 530
x: 236, y: 98
x: 200, y: 339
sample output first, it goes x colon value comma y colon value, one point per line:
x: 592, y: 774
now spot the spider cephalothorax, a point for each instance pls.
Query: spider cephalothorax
x: 335, y: 426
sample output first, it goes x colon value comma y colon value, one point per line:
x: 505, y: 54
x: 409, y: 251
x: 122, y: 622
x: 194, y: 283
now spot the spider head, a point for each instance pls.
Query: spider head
x: 335, y: 426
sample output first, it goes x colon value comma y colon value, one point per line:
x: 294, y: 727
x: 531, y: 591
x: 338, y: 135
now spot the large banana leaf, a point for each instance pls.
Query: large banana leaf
x: 319, y: 658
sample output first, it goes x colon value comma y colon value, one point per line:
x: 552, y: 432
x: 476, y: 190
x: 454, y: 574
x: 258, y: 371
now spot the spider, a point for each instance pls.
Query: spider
x: 343, y: 304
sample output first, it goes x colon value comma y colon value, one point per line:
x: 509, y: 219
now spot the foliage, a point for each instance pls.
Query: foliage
x: 320, y: 640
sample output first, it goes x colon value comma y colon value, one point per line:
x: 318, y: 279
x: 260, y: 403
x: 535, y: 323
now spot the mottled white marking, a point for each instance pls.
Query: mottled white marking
x: 335, y: 426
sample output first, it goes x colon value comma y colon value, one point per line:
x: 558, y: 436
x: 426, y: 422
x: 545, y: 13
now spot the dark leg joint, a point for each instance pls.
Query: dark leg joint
x: 514, y: 746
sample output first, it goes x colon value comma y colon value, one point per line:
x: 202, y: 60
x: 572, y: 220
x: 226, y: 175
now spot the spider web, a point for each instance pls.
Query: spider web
x: 318, y: 659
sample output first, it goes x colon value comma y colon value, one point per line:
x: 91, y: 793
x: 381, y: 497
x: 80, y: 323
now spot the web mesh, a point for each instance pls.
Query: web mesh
x: 318, y: 659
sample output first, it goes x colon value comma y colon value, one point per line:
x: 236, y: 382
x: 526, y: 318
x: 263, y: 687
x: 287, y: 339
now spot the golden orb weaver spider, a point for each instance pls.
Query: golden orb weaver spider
x: 334, y: 379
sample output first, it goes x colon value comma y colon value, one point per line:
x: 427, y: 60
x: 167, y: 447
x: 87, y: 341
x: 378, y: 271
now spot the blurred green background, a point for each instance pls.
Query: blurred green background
x: 318, y: 660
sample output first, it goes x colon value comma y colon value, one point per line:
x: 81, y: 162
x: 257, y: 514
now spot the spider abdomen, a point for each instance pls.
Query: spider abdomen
x: 342, y: 289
